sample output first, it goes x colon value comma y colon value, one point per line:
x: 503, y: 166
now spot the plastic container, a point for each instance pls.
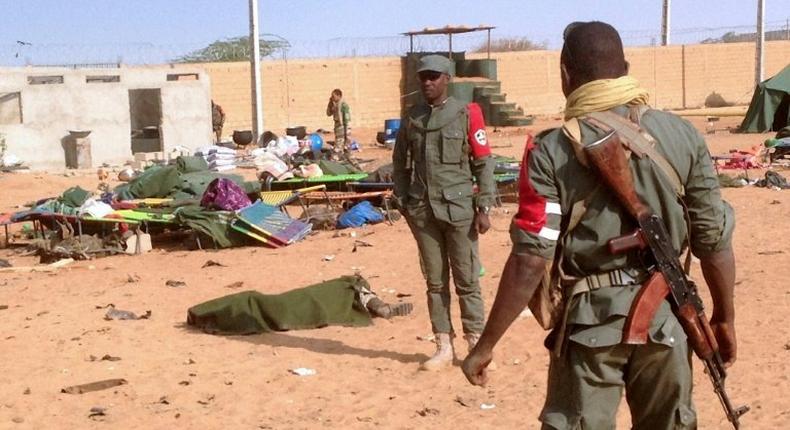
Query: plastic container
x: 391, y: 127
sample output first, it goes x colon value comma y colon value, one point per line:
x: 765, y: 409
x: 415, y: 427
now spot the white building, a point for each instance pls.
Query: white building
x: 127, y: 110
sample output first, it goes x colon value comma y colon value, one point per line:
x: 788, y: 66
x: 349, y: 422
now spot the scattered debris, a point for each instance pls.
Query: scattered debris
x: 361, y: 243
x: 105, y: 357
x: 97, y: 411
x: 115, y: 314
x: 424, y: 412
x: 212, y: 263
x: 208, y: 400
x: 464, y: 401
x: 48, y: 268
x: 175, y: 284
x: 303, y: 371
x: 237, y: 284
x: 329, y: 257
x: 94, y: 386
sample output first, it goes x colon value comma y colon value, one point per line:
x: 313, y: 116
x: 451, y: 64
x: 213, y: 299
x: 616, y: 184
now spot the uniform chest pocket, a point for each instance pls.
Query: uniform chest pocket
x: 452, y: 146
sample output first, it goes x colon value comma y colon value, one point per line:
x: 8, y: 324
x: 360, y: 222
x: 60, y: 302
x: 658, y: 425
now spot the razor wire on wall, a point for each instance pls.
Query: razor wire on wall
x: 21, y: 53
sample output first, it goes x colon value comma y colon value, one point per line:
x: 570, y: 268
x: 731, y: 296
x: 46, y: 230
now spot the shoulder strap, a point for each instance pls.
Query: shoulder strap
x: 639, y: 141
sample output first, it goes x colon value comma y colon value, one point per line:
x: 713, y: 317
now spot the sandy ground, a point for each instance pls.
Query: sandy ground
x: 366, y: 377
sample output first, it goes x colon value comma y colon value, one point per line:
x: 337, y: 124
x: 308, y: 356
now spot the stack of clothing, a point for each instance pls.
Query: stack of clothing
x: 219, y: 158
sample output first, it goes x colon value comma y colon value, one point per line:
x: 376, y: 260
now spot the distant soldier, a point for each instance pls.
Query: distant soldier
x: 217, y: 119
x: 338, y: 109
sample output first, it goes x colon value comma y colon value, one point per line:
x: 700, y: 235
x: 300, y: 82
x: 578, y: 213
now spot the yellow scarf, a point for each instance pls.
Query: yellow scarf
x: 604, y: 94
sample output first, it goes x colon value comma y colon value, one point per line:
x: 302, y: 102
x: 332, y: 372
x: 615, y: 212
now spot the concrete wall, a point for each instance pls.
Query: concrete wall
x: 295, y: 92
x: 49, y: 111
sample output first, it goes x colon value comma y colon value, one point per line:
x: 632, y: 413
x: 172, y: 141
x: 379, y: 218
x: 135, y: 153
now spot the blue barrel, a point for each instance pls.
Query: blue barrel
x: 391, y: 127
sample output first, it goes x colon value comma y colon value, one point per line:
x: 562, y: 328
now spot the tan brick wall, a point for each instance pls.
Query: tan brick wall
x: 295, y: 92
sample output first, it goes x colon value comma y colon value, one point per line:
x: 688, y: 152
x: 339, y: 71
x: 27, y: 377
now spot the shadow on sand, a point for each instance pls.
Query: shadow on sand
x: 317, y: 345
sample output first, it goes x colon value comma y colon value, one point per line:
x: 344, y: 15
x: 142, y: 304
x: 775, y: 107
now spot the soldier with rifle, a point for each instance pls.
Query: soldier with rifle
x: 609, y: 202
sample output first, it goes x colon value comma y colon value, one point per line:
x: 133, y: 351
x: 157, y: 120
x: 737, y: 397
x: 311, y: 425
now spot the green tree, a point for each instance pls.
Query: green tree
x: 233, y: 49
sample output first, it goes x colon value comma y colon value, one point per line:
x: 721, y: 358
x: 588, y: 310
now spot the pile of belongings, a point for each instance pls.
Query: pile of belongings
x: 218, y: 210
x: 219, y: 158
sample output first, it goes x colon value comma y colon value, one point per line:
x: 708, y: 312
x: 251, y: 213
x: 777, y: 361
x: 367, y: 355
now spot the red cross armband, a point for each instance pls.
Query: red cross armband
x: 478, y: 140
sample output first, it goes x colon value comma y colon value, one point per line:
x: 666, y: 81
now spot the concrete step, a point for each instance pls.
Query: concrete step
x: 519, y: 121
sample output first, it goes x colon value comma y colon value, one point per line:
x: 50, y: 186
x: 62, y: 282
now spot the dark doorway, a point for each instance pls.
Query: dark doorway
x: 145, y: 113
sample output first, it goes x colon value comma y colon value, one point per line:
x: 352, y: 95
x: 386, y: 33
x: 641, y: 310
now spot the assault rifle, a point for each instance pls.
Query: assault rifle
x: 608, y: 156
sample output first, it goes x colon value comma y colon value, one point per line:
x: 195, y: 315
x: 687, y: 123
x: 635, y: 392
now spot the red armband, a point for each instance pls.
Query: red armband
x: 531, y: 215
x: 477, y: 132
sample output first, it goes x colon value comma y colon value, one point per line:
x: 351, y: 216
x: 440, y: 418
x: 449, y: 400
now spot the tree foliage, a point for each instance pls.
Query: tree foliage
x: 233, y: 49
x: 509, y: 44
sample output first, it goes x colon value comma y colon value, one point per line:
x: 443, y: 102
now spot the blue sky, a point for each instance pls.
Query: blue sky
x: 86, y: 28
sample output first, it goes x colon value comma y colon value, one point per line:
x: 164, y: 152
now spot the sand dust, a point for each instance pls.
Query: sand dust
x: 365, y: 377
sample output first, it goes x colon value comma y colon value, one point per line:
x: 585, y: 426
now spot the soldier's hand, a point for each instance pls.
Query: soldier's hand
x: 475, y: 367
x: 725, y: 337
x: 482, y: 222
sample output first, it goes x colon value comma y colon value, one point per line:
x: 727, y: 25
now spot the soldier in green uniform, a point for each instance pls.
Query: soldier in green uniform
x: 338, y: 109
x: 440, y: 152
x: 590, y: 366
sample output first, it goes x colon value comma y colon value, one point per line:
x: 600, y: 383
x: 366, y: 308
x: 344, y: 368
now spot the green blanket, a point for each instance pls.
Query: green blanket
x: 214, y: 224
x: 164, y: 182
x: 189, y: 164
x: 331, y: 302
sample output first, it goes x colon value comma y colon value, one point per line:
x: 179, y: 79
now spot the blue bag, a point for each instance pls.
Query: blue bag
x: 360, y: 214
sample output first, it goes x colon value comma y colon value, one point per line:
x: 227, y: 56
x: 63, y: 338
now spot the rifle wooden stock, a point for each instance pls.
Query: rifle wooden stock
x: 608, y: 155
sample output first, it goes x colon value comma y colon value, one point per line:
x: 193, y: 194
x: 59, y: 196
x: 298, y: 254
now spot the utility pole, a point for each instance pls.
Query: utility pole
x: 665, y: 18
x: 255, y: 73
x: 759, y: 55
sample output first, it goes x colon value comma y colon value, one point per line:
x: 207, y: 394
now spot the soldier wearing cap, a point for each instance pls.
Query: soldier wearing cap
x: 440, y: 152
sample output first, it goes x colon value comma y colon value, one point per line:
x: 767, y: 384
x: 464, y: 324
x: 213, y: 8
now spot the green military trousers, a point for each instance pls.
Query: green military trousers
x: 586, y: 384
x: 444, y: 247
x: 341, y: 140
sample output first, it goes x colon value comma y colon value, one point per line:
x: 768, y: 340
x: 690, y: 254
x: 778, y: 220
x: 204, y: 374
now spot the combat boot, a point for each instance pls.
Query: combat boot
x: 443, y: 356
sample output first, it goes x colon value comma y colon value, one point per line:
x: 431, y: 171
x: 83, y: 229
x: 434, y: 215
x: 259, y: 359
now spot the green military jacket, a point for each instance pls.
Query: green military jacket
x: 560, y: 180
x: 432, y: 163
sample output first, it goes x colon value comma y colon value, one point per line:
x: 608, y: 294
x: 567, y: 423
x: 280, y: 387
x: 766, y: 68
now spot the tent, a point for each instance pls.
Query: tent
x: 768, y: 110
